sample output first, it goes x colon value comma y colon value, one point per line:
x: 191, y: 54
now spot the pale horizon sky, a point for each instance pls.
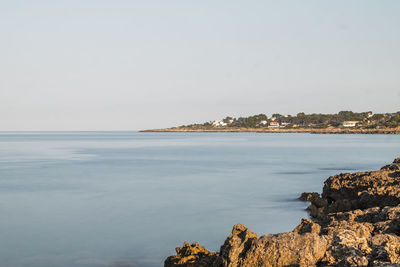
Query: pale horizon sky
x: 131, y: 65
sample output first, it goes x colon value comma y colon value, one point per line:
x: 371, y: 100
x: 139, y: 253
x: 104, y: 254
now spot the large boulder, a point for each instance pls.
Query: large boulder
x: 236, y: 247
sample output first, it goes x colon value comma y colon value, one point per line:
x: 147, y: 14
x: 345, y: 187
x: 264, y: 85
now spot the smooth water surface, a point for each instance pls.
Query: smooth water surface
x: 92, y: 199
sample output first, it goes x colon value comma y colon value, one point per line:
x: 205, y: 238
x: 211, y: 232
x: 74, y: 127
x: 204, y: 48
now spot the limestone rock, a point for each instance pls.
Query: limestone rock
x: 234, y: 250
x: 363, y: 190
x: 191, y: 255
x: 305, y: 196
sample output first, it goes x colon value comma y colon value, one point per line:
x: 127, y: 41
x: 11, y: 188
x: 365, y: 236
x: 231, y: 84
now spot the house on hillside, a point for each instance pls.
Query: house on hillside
x: 274, y: 124
x: 350, y: 123
x: 217, y: 123
x: 263, y: 122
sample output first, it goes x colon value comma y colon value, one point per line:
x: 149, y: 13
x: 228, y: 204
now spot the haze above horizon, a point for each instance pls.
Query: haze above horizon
x: 131, y: 65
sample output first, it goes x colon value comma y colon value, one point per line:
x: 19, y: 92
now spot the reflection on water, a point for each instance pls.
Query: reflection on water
x: 95, y: 199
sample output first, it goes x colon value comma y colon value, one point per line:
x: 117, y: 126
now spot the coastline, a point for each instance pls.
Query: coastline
x: 354, y: 222
x: 274, y: 130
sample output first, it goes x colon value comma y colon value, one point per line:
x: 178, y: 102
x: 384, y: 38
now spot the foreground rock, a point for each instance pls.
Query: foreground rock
x: 192, y: 255
x: 356, y: 222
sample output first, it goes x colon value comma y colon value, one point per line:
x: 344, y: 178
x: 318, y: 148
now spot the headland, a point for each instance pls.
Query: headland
x: 344, y: 122
x: 279, y: 130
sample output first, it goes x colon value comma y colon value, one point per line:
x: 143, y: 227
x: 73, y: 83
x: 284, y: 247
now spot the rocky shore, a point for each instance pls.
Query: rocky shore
x: 355, y: 222
x: 276, y: 130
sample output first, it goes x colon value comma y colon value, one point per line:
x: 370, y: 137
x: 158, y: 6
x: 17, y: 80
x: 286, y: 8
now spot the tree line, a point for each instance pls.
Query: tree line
x: 364, y: 120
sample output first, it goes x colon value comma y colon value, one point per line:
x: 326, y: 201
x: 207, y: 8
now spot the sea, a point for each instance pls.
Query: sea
x: 95, y: 199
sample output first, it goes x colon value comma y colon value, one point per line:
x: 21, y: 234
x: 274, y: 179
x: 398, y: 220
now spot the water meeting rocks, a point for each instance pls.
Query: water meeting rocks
x: 355, y: 222
x: 363, y: 190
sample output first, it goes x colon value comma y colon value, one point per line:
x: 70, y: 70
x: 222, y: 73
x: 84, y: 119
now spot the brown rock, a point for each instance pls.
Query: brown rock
x: 363, y: 190
x: 191, y: 255
x: 236, y: 246
x: 307, y: 226
x: 243, y: 249
x: 305, y: 196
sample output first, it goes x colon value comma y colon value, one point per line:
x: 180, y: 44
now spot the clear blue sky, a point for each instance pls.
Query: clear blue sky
x: 127, y: 65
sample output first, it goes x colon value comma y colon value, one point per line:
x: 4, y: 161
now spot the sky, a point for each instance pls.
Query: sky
x: 132, y: 65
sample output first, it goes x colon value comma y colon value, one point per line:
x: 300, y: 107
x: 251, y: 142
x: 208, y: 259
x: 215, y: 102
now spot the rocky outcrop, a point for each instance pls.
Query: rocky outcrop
x: 318, y: 205
x: 191, y: 255
x: 356, y: 222
x: 236, y: 247
x: 363, y: 190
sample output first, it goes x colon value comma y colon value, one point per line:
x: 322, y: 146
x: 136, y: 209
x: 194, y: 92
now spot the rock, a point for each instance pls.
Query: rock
x: 288, y: 249
x: 318, y: 204
x: 315, y: 199
x: 363, y: 190
x: 356, y: 222
x: 242, y: 248
x: 308, y: 196
x: 236, y: 246
x: 307, y: 226
x: 191, y: 255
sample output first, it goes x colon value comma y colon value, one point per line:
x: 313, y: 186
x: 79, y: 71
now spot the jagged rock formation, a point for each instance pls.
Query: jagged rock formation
x: 356, y: 222
x: 364, y: 189
x: 191, y: 255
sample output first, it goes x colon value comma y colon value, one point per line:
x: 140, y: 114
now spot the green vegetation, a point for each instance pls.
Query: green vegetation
x: 343, y: 119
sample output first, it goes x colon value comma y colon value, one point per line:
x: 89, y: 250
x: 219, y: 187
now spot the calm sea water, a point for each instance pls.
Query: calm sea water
x: 92, y: 199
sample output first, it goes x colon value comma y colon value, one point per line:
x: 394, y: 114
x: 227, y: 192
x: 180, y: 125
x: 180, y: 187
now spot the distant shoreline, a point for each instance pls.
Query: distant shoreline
x: 258, y: 130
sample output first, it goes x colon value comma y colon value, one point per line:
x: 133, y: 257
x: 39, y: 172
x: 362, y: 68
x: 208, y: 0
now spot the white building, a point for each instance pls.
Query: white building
x: 274, y: 124
x: 218, y: 123
x: 350, y: 123
x: 263, y: 122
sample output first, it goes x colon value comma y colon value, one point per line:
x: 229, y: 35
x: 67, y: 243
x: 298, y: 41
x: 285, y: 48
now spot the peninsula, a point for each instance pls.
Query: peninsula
x: 344, y: 122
